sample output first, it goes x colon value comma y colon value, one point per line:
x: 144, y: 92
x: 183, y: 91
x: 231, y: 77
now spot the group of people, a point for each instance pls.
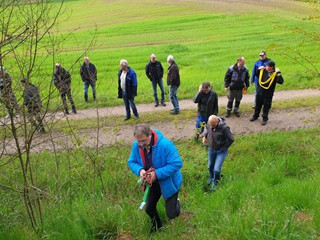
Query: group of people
x: 127, y: 84
x: 155, y: 158
x: 265, y: 76
x: 62, y: 81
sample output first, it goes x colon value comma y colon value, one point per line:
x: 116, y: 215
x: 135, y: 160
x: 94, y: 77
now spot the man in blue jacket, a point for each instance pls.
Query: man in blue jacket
x: 156, y: 158
x: 127, y: 88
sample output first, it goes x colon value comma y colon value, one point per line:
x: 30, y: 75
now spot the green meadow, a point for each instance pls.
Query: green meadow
x: 270, y: 185
x: 204, y: 37
x: 269, y: 190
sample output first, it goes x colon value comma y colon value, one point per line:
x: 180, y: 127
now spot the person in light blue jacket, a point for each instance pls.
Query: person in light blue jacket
x: 157, y: 160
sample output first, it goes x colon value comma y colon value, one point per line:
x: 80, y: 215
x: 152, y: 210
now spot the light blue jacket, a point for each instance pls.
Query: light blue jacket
x: 166, y: 161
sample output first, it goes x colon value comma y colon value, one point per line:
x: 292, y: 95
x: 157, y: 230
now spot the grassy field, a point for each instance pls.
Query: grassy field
x: 204, y: 37
x: 270, y: 190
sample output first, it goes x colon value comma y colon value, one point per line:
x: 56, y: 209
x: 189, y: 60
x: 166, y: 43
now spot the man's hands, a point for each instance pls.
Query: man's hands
x: 148, y: 176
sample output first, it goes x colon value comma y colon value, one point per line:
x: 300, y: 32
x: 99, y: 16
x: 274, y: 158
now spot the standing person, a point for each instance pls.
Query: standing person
x: 7, y: 96
x: 88, y: 74
x: 254, y: 79
x: 154, y: 72
x: 127, y: 88
x: 156, y: 158
x: 173, y: 80
x: 33, y: 103
x: 62, y: 81
x: 235, y: 80
x: 207, y: 100
x: 268, y: 76
x: 220, y: 139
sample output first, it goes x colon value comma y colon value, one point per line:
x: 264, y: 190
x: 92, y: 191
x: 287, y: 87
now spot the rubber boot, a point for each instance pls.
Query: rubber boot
x: 228, y: 113
x: 86, y: 98
x: 94, y: 96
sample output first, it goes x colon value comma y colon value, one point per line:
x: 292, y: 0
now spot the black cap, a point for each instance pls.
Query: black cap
x: 262, y: 53
x: 271, y: 64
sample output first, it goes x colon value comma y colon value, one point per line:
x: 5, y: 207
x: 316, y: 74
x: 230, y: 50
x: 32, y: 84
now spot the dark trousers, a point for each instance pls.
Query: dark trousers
x: 172, y: 205
x: 34, y: 117
x: 234, y: 95
x: 64, y: 94
x: 264, y: 101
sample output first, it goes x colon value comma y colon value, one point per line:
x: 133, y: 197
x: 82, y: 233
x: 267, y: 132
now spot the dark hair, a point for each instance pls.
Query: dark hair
x: 271, y: 63
x: 205, y: 84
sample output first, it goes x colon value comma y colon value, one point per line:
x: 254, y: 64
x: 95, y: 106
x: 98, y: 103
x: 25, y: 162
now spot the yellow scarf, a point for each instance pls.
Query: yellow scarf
x: 269, y: 80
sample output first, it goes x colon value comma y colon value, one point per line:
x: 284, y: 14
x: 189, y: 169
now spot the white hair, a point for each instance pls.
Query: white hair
x: 124, y: 62
x: 152, y: 55
x: 3, y: 69
x: 170, y: 58
x: 86, y: 58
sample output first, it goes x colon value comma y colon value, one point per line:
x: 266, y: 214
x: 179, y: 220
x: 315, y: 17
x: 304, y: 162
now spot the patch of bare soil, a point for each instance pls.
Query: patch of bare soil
x: 279, y: 119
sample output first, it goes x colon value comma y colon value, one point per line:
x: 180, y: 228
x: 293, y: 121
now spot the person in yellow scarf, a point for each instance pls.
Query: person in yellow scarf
x: 268, y: 76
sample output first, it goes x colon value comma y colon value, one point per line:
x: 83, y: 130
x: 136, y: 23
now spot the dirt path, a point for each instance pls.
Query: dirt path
x: 284, y: 119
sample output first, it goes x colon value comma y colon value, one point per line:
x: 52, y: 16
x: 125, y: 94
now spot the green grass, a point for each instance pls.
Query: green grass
x: 204, y: 40
x: 269, y: 190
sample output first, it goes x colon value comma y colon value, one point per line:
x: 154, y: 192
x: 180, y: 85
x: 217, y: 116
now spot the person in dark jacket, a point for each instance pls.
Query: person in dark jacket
x: 220, y: 139
x: 173, y: 80
x: 207, y: 101
x: 235, y: 80
x: 156, y: 161
x: 254, y: 79
x: 127, y: 88
x: 33, y: 103
x: 62, y: 81
x: 88, y: 74
x: 268, y: 76
x: 7, y: 97
x: 154, y: 72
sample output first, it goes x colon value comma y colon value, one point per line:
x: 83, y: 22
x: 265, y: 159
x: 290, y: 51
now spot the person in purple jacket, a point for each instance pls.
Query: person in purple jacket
x: 154, y: 155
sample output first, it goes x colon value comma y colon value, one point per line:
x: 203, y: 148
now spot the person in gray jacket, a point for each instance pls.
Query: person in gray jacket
x: 220, y: 139
x: 207, y: 101
x: 33, y: 103
x: 62, y: 81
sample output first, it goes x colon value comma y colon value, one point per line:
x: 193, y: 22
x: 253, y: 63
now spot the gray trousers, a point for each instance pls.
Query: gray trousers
x: 234, y: 95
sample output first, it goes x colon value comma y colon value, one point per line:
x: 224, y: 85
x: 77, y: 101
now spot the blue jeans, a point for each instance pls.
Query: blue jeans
x: 201, y: 122
x: 154, y: 88
x: 173, y: 97
x: 215, y: 160
x: 86, y: 87
x: 128, y: 103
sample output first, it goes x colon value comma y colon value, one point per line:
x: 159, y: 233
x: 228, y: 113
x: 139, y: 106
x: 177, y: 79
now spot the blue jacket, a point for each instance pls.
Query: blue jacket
x: 131, y: 84
x: 166, y: 161
x: 256, y: 66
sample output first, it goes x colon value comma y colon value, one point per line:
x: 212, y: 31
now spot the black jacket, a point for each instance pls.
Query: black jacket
x: 236, y: 79
x: 88, y: 74
x: 265, y: 76
x: 32, y: 98
x: 62, y: 79
x: 154, y: 71
x: 207, y: 103
x: 220, y: 138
